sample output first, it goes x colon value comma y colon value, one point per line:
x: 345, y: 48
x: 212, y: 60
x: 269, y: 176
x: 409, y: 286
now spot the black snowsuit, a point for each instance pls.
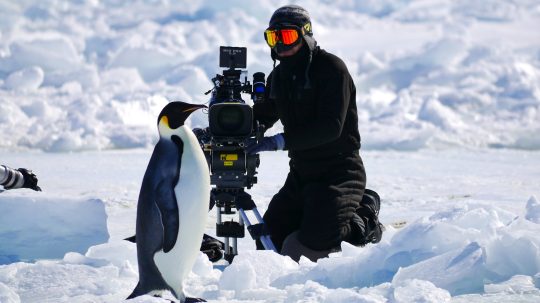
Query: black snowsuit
x: 315, y: 99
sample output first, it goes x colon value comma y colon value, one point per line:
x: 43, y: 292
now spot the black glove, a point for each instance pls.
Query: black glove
x: 276, y: 142
x: 212, y: 247
x: 30, y: 179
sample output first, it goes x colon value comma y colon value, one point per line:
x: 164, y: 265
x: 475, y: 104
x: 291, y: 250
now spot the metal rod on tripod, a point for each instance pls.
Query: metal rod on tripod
x: 234, y: 246
x: 265, y: 240
x: 234, y: 239
x: 257, y: 215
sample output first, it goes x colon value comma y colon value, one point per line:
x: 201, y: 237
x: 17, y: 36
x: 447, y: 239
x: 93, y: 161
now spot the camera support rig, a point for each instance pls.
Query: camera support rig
x: 231, y: 129
x: 232, y: 171
x: 225, y: 201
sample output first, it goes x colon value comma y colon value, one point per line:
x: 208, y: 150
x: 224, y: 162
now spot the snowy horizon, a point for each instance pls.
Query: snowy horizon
x: 93, y: 75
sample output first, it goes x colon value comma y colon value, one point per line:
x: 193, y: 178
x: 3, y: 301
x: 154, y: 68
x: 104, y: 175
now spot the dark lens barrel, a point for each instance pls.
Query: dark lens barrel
x: 230, y: 120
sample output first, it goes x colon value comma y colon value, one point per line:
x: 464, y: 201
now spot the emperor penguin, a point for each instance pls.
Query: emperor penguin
x: 172, y: 206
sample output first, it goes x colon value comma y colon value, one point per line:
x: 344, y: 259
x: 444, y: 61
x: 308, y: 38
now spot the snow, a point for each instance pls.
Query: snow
x: 469, y: 233
x: 453, y: 73
x: 448, y: 94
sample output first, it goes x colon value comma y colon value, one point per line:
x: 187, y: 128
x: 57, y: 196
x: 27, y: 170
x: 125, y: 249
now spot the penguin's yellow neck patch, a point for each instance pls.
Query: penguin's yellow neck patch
x: 164, y: 128
x: 164, y: 121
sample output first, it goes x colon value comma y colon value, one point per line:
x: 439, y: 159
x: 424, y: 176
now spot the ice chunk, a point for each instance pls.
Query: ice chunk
x: 533, y: 210
x: 203, y: 266
x: 7, y: 295
x: 25, y: 79
x: 51, y: 54
x: 415, y: 290
x: 156, y: 61
x: 515, y: 250
x: 255, y: 269
x: 458, y: 271
x: 518, y: 284
x: 116, y: 252
x: 433, y: 111
x: 36, y: 227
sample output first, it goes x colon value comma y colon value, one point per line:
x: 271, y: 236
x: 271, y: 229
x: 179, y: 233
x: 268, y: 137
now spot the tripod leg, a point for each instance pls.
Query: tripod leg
x: 265, y: 239
x: 234, y: 246
x: 267, y: 243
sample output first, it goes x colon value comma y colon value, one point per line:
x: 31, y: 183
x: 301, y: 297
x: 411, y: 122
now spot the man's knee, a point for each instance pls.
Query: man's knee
x: 293, y: 248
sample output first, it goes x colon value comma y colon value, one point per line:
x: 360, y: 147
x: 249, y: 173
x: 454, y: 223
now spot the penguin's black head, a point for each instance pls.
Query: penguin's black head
x: 177, y: 112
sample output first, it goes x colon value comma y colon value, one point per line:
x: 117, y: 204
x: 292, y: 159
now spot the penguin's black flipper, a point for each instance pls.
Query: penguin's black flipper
x: 166, y: 199
x: 132, y: 239
x: 166, y: 202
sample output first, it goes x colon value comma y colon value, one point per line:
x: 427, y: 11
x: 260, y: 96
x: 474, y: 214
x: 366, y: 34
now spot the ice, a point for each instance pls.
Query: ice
x: 25, y: 79
x: 33, y: 227
x: 7, y: 295
x: 416, y: 290
x: 255, y: 269
x: 533, y: 210
x: 516, y: 285
x: 459, y: 271
x: 441, y: 116
x: 55, y: 54
x: 156, y: 62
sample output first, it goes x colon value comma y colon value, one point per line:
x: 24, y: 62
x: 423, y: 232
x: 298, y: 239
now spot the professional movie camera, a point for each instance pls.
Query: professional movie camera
x: 231, y: 129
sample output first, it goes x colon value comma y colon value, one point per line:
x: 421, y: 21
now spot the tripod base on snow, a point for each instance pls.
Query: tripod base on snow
x: 227, y: 202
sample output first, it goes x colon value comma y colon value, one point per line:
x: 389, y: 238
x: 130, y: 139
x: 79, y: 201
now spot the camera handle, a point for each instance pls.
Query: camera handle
x: 232, y: 230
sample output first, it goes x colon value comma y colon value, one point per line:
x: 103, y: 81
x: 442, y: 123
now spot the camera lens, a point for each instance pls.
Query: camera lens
x: 230, y: 118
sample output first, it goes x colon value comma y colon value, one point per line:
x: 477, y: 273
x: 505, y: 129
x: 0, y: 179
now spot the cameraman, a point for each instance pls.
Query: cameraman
x: 18, y: 178
x: 313, y: 95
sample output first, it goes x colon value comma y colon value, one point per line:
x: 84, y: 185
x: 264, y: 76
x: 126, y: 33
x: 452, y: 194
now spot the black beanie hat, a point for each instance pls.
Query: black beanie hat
x: 296, y: 15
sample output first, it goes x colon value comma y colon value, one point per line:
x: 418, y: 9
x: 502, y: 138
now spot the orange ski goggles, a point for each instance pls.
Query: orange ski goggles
x: 287, y: 36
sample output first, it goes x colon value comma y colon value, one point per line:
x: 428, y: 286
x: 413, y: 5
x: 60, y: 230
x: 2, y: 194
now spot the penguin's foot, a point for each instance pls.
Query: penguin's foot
x: 191, y: 300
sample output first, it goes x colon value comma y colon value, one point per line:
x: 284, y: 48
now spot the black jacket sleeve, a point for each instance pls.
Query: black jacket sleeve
x: 332, y: 103
x: 266, y: 112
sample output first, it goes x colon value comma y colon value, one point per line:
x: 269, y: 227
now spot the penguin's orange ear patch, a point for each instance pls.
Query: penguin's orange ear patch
x: 165, y: 121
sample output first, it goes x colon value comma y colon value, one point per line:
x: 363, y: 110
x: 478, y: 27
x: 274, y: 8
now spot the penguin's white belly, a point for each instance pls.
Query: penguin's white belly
x: 192, y: 195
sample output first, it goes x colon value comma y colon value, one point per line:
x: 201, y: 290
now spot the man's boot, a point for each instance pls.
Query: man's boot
x: 365, y: 225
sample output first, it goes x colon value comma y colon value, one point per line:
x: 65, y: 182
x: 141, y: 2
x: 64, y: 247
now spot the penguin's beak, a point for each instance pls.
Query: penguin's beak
x: 194, y: 108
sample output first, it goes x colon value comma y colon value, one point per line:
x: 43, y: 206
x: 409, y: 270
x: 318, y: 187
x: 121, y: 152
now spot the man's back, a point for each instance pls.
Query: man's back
x: 319, y: 120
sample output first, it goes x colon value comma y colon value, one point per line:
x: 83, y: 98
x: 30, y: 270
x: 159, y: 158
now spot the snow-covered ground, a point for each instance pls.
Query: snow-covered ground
x: 448, y: 93
x: 473, y: 228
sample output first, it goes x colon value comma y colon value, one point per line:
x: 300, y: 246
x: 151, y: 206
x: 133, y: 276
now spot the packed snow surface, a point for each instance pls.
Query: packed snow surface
x: 472, y: 233
x: 448, y: 96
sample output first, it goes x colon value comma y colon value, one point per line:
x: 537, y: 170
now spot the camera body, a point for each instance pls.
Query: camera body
x: 231, y: 125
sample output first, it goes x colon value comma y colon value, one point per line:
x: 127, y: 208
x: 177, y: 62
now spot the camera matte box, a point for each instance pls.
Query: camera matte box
x: 234, y: 57
x: 230, y: 120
